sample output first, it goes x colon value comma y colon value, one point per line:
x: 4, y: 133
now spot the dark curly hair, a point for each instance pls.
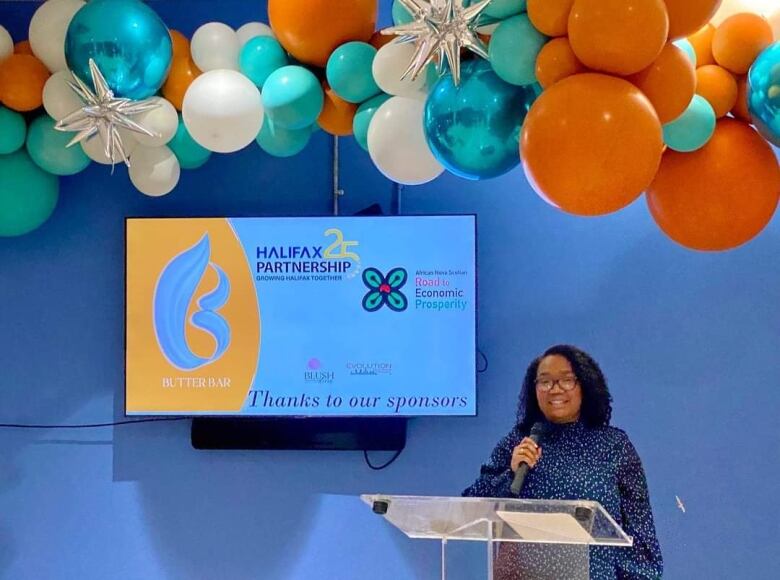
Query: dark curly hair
x: 596, y: 401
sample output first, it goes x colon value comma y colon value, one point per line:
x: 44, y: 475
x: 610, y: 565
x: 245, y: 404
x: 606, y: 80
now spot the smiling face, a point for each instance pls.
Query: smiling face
x: 558, y: 404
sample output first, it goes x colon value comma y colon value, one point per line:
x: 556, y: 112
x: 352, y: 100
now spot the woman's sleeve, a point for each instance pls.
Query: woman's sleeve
x: 495, y: 476
x: 643, y: 560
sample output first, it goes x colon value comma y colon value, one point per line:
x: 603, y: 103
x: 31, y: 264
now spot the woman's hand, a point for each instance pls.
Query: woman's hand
x: 527, y: 452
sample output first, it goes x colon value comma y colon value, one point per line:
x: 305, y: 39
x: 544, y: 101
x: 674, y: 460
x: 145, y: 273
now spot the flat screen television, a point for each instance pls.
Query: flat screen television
x: 301, y: 317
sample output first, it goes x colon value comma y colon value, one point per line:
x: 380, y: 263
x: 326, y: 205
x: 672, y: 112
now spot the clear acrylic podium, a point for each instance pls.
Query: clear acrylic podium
x: 526, y: 539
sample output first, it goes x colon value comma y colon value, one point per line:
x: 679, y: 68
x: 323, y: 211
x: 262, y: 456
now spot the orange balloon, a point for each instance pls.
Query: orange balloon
x: 669, y: 83
x: 183, y: 72
x: 337, y: 114
x: 557, y: 61
x: 591, y: 144
x: 181, y: 44
x: 550, y: 17
x: 702, y: 44
x: 740, y: 109
x: 23, y: 47
x: 378, y: 40
x: 739, y: 40
x: 618, y: 36
x: 720, y: 196
x: 718, y: 86
x: 688, y: 16
x: 311, y: 30
x: 22, y: 77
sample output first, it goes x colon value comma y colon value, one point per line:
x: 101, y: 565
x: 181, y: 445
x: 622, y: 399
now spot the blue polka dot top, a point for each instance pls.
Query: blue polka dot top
x: 580, y: 462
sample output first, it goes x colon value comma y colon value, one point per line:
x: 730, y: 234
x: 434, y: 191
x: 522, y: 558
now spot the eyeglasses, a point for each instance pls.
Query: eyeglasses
x: 566, y: 383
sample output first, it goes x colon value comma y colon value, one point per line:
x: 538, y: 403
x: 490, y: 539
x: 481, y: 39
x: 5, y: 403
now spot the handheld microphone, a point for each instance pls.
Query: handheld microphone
x: 517, y: 484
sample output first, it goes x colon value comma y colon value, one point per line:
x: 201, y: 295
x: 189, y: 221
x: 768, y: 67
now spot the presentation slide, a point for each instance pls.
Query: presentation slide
x: 330, y: 316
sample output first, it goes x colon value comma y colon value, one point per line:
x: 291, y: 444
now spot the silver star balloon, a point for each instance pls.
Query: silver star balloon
x: 103, y: 115
x: 440, y: 29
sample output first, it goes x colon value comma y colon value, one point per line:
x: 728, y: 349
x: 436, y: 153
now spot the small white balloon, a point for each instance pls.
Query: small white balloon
x: 48, y: 28
x: 59, y: 100
x: 223, y: 111
x: 163, y: 120
x: 397, y: 144
x: 252, y: 29
x: 390, y: 62
x: 95, y: 149
x: 154, y: 171
x: 215, y: 46
x: 6, y: 44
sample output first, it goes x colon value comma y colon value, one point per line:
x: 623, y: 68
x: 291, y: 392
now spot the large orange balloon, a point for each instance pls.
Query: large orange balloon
x: 183, y: 72
x: 337, y: 114
x: 739, y: 40
x: 702, y: 44
x: 22, y: 77
x: 311, y: 30
x: 688, y: 16
x: 181, y: 44
x: 718, y: 86
x: 557, y: 61
x: 720, y: 196
x: 591, y: 144
x: 669, y: 83
x: 550, y: 17
x: 618, y: 36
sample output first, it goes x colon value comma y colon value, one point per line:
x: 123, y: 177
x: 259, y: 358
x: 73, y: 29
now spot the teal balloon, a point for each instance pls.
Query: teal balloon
x: 474, y: 129
x: 513, y: 49
x: 190, y: 154
x: 293, y: 97
x: 693, y: 129
x: 687, y: 48
x: 349, y: 72
x: 261, y: 56
x: 48, y: 148
x: 281, y: 142
x: 763, y: 94
x: 501, y: 9
x: 127, y: 40
x: 363, y: 117
x: 28, y: 195
x: 12, y: 131
x: 400, y: 14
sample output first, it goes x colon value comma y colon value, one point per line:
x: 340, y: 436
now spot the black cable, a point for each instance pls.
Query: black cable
x: 89, y: 425
x: 485, y: 368
x: 380, y: 467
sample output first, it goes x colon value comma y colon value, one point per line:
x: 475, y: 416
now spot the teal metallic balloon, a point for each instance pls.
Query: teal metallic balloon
x: 513, y: 49
x: 349, y: 72
x: 190, y: 154
x: 474, y: 129
x: 293, y: 97
x: 400, y: 14
x: 127, y: 40
x: 501, y: 9
x: 12, y: 131
x: 48, y: 148
x: 687, y: 48
x: 363, y: 117
x: 693, y: 129
x: 28, y: 195
x: 763, y: 93
x: 261, y: 56
x: 281, y: 142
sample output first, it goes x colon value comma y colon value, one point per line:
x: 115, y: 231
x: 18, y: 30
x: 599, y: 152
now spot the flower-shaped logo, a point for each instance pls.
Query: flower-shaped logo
x: 385, y: 290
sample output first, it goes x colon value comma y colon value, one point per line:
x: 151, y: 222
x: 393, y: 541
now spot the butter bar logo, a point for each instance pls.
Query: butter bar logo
x: 385, y: 290
x: 174, y: 292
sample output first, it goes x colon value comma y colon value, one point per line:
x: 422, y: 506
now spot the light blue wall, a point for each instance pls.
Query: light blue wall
x: 689, y: 343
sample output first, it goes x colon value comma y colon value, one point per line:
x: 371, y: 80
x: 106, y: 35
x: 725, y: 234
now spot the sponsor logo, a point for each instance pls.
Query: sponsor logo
x: 385, y: 290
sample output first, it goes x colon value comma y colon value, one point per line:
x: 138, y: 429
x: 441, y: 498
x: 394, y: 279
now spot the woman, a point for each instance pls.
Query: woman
x: 579, y: 457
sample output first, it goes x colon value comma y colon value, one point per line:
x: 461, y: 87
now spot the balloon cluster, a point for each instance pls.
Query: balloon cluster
x: 600, y: 100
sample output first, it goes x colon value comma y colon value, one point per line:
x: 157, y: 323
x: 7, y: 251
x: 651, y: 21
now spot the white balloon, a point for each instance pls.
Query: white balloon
x: 59, y: 100
x: 164, y: 120
x: 397, y: 145
x: 223, y: 111
x: 95, y: 149
x: 154, y: 171
x: 252, y: 29
x: 6, y: 44
x: 390, y: 62
x: 215, y: 46
x: 48, y: 28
